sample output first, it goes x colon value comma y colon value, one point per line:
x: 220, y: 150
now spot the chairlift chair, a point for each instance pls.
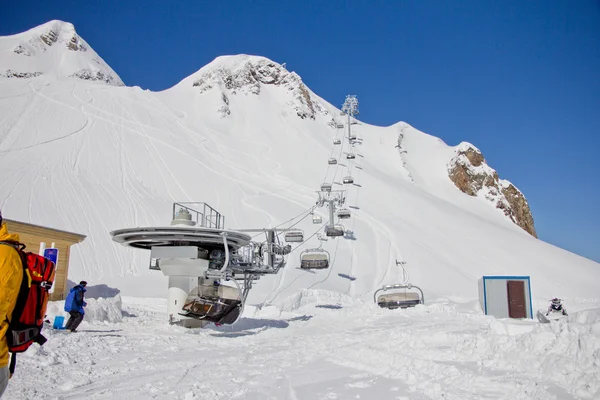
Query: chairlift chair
x: 350, y: 156
x: 332, y: 161
x: 334, y: 230
x: 317, y: 219
x: 404, y: 296
x: 352, y: 136
x: 294, y: 235
x: 214, y: 302
x: 314, y: 259
x: 339, y: 126
x: 326, y: 187
x: 337, y: 141
x: 343, y: 213
x: 348, y: 180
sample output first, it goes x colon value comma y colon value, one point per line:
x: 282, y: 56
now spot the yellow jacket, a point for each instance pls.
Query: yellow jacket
x: 11, y: 274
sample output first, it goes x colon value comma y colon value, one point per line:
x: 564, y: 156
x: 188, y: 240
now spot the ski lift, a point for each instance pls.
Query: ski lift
x: 405, y: 296
x: 352, y: 136
x: 348, y: 180
x: 317, y: 219
x: 339, y: 126
x: 334, y: 230
x: 337, y: 141
x: 350, y: 156
x: 214, y: 302
x: 343, y: 213
x: 314, y: 259
x: 326, y: 187
x: 332, y: 161
x: 294, y: 235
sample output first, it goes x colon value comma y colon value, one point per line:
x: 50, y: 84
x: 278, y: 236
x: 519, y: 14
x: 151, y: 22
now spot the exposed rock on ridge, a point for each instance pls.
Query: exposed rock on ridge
x: 52, y: 33
x: 471, y: 174
x: 54, y: 49
x: 245, y: 74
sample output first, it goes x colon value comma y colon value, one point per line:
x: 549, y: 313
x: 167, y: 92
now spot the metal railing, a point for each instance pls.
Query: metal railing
x: 204, y: 215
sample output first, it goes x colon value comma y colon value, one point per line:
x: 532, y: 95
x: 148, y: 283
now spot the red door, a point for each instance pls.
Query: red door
x: 516, y: 299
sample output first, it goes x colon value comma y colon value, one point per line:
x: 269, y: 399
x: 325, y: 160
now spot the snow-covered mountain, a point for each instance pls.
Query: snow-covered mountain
x: 249, y: 138
x: 53, y: 49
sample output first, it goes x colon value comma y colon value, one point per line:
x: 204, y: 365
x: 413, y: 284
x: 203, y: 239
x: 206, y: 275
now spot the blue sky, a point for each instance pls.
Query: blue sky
x: 519, y: 79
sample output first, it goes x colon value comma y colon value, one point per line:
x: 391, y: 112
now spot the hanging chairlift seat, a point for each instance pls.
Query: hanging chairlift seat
x: 350, y: 156
x: 314, y: 259
x: 337, y: 141
x: 348, y: 180
x: 343, y: 213
x: 317, y: 219
x: 339, y: 126
x: 213, y: 303
x: 326, y: 187
x: 294, y: 235
x: 332, y: 161
x: 352, y: 136
x: 404, y: 297
x: 334, y: 230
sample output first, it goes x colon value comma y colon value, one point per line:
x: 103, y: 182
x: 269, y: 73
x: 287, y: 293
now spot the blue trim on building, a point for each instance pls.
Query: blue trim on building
x: 505, y: 277
x: 484, y: 297
x: 530, y: 301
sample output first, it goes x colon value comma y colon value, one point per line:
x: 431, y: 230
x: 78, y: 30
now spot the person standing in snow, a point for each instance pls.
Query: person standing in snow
x: 11, y: 275
x: 74, y: 305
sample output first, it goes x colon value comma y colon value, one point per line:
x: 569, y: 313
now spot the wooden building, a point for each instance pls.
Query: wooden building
x: 33, y: 235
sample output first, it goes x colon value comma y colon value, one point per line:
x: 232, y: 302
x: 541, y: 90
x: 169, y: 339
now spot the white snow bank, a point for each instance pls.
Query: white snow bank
x: 316, y: 297
x: 97, y: 310
x: 591, y: 316
x: 512, y: 327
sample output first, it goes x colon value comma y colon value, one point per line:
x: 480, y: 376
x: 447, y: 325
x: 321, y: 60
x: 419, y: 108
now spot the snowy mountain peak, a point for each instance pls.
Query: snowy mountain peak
x: 246, y: 74
x: 52, y: 33
x: 53, y: 49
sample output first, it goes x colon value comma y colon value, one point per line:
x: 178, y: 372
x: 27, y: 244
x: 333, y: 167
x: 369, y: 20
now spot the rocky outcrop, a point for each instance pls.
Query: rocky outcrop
x: 243, y: 74
x: 98, y: 76
x: 23, y: 75
x: 20, y: 49
x: 402, y: 150
x: 473, y: 176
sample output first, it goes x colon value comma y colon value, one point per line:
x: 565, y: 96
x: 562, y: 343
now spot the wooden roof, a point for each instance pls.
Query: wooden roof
x: 25, y: 227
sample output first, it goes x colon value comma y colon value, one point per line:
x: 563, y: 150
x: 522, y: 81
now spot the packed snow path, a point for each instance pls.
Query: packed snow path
x: 332, y: 348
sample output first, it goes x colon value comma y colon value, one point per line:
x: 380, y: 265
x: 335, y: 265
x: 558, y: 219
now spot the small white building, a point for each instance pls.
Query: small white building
x: 506, y: 296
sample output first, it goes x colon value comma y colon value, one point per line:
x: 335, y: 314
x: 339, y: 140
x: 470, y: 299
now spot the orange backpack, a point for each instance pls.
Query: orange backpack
x: 25, y: 325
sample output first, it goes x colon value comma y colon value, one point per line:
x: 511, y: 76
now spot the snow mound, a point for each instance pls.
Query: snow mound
x: 104, y: 310
x: 97, y: 310
x: 316, y: 297
x: 591, y: 316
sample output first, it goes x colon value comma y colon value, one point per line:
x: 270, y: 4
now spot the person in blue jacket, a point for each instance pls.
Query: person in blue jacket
x: 74, y: 305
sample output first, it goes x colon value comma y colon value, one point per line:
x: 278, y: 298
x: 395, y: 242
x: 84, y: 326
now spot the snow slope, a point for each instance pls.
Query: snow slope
x: 89, y: 157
